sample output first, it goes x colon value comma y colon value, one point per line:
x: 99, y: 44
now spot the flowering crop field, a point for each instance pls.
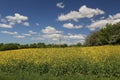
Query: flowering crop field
x: 100, y: 61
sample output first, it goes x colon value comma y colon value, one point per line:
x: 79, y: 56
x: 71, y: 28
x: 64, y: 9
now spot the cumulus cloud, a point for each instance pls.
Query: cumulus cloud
x: 52, y: 36
x: 50, y: 33
x: 84, y: 12
x: 10, y: 21
x: 97, y: 24
x: 5, y: 26
x: 60, y: 38
x: 60, y: 5
x: 75, y: 36
x: 8, y: 32
x: 17, y: 18
x: 116, y: 16
x: 50, y: 30
x: 112, y: 19
x: 72, y: 26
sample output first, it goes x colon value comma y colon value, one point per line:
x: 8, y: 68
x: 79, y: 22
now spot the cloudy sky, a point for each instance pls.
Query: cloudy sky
x: 29, y: 21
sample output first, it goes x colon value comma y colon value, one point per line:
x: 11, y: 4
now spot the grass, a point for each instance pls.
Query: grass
x: 84, y: 63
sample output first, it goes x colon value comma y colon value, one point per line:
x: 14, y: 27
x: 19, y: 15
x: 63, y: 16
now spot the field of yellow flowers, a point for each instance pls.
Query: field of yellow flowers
x: 101, y: 61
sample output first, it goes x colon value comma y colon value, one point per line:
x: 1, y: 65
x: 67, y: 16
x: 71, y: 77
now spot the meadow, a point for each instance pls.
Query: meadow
x: 74, y: 63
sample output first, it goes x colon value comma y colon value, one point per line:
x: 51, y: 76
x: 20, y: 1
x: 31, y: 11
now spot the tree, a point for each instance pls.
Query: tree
x: 105, y: 34
x: 24, y: 46
x: 108, y: 35
x: 93, y: 39
x: 79, y: 44
x: 9, y: 46
x: 63, y: 45
x: 41, y: 45
x: 1, y: 44
x: 34, y: 45
x: 115, y: 37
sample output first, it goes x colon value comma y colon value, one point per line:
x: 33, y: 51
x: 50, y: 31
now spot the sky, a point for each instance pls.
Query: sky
x: 52, y: 21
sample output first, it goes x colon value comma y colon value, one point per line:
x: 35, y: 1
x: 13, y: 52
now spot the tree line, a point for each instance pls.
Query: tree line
x: 12, y: 46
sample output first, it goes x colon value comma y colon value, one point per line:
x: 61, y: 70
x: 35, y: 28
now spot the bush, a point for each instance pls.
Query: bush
x: 9, y: 46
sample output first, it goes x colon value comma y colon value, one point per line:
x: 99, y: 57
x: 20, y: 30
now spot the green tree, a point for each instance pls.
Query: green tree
x: 41, y: 45
x: 108, y: 35
x: 93, y: 39
x: 10, y: 46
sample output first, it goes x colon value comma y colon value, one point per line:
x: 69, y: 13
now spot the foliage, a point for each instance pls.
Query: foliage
x: 108, y: 35
x: 9, y: 46
x: 93, y: 39
x: 12, y: 46
x: 76, y: 45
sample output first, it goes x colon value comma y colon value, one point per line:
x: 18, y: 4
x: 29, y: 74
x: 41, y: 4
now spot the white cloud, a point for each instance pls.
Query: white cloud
x: 75, y: 36
x: 101, y: 23
x: 116, y: 16
x: 32, y: 32
x: 5, y: 26
x: 8, y: 32
x: 49, y: 34
x: 50, y: 30
x: 52, y: 36
x: 89, y: 12
x: 57, y: 38
x: 17, y: 18
x: 60, y: 5
x: 23, y: 35
x: 26, y: 24
x: 10, y: 21
x: 71, y: 26
x: 19, y: 36
x: 84, y: 12
x: 48, y: 38
x: 98, y: 24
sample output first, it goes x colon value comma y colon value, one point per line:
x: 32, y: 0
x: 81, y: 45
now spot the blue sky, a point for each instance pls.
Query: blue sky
x: 31, y: 21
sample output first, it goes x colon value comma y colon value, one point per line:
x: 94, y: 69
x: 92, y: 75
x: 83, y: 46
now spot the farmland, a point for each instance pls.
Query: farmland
x: 93, y: 63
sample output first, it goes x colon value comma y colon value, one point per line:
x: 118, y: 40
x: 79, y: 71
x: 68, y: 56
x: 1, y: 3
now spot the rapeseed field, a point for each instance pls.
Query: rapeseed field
x: 101, y: 61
